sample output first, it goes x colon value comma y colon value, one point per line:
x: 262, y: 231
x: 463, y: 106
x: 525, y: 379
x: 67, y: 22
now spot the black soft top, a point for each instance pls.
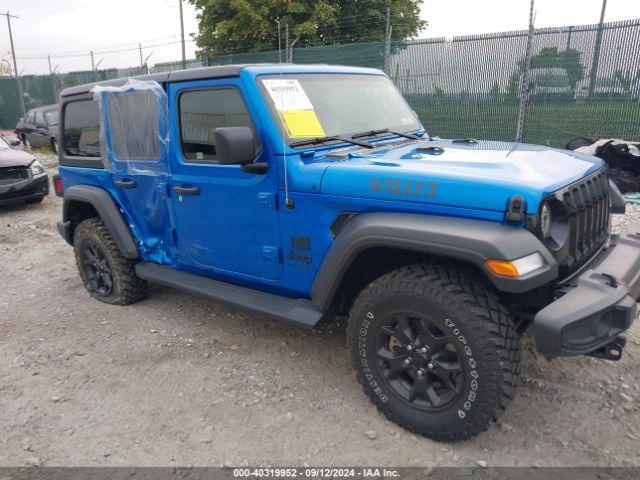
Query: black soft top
x: 222, y: 71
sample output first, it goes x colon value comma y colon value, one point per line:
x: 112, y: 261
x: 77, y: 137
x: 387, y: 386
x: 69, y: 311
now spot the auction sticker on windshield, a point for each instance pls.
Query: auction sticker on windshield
x: 294, y: 107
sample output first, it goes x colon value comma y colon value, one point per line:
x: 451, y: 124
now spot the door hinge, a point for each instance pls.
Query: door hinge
x: 271, y: 254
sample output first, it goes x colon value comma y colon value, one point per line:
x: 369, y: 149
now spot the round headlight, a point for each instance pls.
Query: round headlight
x: 545, y: 221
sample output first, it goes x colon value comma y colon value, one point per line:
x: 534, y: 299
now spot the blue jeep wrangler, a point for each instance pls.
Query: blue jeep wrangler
x: 307, y: 192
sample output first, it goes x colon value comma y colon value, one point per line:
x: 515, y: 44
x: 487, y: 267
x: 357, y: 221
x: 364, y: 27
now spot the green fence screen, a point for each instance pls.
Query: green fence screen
x: 577, y: 81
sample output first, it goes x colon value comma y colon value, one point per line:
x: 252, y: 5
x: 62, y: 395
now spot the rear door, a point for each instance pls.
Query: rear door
x: 228, y: 224
x: 39, y: 136
x: 135, y: 133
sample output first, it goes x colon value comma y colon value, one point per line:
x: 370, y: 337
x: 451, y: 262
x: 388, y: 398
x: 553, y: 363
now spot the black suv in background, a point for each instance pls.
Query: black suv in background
x: 39, y: 127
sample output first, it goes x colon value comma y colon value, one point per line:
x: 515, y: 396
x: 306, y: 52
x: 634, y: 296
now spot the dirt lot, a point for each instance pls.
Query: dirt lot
x: 181, y: 380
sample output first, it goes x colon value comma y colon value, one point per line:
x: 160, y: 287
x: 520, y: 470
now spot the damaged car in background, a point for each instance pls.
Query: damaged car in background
x: 22, y: 178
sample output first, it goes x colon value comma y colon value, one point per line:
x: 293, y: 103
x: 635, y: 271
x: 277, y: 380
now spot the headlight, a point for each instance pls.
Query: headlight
x: 36, y: 168
x: 545, y: 221
x: 553, y: 225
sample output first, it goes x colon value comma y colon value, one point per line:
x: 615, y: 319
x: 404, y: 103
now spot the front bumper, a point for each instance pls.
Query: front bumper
x: 28, y: 189
x: 597, y: 306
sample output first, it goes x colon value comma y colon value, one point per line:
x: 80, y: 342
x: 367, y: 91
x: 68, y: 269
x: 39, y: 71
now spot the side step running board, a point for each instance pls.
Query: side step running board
x: 299, y: 312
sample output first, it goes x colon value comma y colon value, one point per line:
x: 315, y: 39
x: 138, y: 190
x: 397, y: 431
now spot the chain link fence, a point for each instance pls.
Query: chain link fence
x: 581, y: 81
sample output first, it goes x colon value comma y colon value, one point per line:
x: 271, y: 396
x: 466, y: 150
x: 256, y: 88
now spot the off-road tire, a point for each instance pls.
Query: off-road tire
x: 127, y: 287
x: 476, y: 320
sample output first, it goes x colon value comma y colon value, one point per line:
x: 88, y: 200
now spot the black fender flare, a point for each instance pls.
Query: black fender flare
x: 108, y: 211
x: 467, y: 240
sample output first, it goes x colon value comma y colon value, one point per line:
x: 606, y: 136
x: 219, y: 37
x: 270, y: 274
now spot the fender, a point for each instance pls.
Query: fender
x: 109, y: 212
x: 467, y: 240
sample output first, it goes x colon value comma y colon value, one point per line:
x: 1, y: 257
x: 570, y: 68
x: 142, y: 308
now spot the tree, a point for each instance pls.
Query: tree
x: 569, y: 60
x: 229, y: 26
x: 5, y: 69
x: 550, y: 57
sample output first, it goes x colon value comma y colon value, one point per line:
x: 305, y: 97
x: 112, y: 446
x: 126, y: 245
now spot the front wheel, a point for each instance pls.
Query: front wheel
x: 434, y: 350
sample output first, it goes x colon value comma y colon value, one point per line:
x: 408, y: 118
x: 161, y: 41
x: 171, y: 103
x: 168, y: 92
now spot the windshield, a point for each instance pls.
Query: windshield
x: 52, y: 117
x: 321, y: 105
x: 4, y: 145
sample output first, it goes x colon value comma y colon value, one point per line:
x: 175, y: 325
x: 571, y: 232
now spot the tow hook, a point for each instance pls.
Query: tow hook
x: 611, y: 351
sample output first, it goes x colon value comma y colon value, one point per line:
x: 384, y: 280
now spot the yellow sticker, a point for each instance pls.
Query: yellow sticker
x: 302, y: 123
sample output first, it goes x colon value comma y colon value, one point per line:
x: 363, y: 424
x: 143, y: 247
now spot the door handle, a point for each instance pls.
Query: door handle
x: 187, y: 190
x: 126, y: 183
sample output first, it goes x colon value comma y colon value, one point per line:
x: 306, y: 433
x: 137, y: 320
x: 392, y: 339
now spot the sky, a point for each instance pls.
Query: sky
x: 69, y: 29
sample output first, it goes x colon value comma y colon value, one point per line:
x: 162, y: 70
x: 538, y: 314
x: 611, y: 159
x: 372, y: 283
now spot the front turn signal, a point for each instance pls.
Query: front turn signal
x: 516, y: 268
x: 502, y: 268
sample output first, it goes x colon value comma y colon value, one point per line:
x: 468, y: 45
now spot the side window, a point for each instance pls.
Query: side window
x: 133, y: 125
x: 201, y: 112
x: 39, y: 122
x: 81, y: 132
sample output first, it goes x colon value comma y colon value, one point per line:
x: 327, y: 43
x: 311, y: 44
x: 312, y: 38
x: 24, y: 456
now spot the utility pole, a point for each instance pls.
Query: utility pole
x: 184, y: 56
x: 286, y: 43
x: 524, y: 87
x: 15, y: 64
x: 54, y: 87
x: 279, y: 44
x: 141, y: 61
x: 387, y: 41
x: 596, y: 50
x: 145, y: 62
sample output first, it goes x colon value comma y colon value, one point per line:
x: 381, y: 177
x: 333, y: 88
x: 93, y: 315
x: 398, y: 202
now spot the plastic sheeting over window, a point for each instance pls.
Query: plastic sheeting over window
x: 134, y: 126
x: 134, y: 144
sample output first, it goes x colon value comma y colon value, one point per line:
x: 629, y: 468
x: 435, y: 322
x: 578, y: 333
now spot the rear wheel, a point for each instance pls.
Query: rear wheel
x: 54, y: 145
x: 107, y: 275
x: 434, y: 351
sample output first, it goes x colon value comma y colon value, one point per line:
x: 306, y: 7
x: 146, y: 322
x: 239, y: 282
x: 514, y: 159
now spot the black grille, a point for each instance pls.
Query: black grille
x: 9, y: 175
x: 587, y: 206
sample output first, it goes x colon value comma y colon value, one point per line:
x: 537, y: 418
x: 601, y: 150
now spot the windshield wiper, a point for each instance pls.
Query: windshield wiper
x: 316, y: 141
x: 373, y: 133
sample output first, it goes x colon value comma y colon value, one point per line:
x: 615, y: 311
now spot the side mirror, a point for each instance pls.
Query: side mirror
x: 234, y: 145
x: 15, y: 143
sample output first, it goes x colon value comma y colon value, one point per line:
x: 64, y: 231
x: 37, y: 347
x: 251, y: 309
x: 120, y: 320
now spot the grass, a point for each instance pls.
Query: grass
x: 43, y: 150
x: 546, y: 123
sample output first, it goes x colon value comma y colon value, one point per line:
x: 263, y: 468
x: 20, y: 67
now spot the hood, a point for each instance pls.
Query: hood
x: 480, y: 175
x: 15, y: 158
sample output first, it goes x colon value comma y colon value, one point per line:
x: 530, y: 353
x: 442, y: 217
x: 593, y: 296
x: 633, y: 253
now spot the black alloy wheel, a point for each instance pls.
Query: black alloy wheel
x: 96, y: 268
x: 419, y: 361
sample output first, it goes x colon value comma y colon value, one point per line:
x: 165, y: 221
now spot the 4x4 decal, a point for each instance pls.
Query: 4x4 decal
x: 406, y: 188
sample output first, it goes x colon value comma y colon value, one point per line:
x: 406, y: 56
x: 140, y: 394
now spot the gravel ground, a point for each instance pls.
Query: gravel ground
x: 181, y: 380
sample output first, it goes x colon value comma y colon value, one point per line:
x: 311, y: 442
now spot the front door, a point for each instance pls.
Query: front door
x: 134, y: 128
x: 226, y: 220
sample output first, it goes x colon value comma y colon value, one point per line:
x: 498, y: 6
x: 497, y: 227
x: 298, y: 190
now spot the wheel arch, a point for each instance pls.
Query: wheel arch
x: 86, y: 201
x: 380, y: 242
